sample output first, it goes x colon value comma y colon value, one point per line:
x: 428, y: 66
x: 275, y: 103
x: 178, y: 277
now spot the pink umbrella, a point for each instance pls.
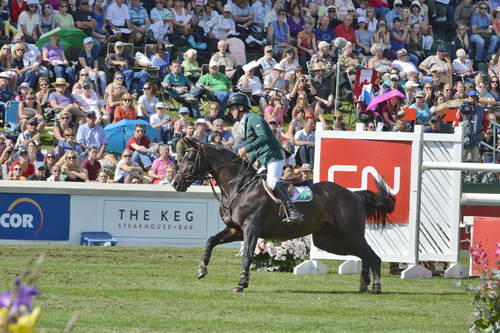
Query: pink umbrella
x: 384, y: 97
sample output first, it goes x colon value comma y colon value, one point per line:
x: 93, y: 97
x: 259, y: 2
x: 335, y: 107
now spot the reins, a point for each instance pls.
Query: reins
x: 239, y: 187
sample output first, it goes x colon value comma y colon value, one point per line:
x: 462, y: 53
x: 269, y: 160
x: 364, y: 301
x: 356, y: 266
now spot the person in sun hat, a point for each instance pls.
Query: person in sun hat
x: 61, y: 99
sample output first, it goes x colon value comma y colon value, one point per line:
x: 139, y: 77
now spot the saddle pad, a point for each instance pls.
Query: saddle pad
x: 300, y: 193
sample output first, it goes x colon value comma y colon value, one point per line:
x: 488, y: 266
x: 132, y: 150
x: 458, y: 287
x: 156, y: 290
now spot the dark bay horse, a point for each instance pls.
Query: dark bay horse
x: 335, y: 217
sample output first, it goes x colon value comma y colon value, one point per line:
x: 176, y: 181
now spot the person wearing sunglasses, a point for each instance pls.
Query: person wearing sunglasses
x: 47, y: 18
x: 113, y: 96
x: 30, y: 134
x: 61, y: 100
x: 17, y: 173
x: 70, y: 167
x: 482, y: 30
x: 278, y: 34
x: 53, y: 54
x: 68, y: 144
x: 56, y: 175
x: 27, y: 169
x: 125, y: 166
x: 29, y: 22
x: 49, y: 162
x: 40, y: 172
x: 87, y: 98
x: 126, y: 110
x: 144, y: 150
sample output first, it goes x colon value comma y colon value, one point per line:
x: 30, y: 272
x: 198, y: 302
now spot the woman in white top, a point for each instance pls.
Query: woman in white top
x: 29, y: 22
x: 372, y: 22
x: 182, y: 20
x: 289, y: 63
x: 158, y: 12
x: 163, y: 122
x: 463, y: 66
x: 146, y: 103
x: 56, y: 175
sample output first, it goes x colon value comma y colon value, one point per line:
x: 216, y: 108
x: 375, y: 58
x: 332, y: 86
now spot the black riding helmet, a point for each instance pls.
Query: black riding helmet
x: 239, y: 99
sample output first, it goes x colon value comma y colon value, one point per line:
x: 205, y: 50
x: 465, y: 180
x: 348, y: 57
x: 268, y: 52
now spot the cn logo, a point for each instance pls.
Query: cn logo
x: 368, y: 170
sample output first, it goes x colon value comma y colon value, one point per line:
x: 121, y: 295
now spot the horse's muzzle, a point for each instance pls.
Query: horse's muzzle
x: 179, y: 186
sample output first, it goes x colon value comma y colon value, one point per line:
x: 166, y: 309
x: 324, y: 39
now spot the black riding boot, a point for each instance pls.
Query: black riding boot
x: 294, y: 216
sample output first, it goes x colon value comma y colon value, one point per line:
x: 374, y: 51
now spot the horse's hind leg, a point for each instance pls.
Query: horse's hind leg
x: 225, y: 236
x: 371, y: 260
x: 365, y: 280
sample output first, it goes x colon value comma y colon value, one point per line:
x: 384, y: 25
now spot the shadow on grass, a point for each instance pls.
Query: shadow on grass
x: 354, y: 292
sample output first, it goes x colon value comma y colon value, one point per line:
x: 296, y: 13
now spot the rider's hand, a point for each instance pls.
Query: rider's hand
x: 242, y: 152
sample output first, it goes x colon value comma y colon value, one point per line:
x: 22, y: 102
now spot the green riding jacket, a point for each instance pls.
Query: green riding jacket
x: 260, y: 143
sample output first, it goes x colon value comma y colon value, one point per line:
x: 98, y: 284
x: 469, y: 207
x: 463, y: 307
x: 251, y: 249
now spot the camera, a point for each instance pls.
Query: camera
x: 467, y: 109
x: 365, y: 118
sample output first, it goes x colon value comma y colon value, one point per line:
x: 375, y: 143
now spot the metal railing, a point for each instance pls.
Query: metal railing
x: 494, y: 147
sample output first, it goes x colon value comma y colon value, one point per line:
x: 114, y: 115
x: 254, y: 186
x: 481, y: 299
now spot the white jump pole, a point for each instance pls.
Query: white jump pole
x: 486, y: 167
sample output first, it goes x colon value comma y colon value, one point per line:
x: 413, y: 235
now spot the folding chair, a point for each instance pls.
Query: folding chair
x: 128, y: 49
x: 11, y: 116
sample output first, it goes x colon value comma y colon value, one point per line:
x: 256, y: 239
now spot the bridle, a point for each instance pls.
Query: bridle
x: 190, y: 177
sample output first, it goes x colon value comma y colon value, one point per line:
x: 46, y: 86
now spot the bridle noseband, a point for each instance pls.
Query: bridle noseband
x: 189, y: 176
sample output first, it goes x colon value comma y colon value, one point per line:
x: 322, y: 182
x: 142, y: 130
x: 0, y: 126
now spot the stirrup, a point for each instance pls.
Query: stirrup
x: 298, y: 219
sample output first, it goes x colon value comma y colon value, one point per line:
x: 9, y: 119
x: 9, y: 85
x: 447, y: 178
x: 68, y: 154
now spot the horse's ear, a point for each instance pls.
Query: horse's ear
x: 193, y: 143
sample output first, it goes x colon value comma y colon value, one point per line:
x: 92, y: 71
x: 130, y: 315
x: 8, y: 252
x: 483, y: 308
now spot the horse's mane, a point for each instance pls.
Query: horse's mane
x: 228, y: 157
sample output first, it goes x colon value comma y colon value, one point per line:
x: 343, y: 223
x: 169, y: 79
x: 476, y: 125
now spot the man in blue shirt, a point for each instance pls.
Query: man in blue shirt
x: 139, y: 20
x: 482, y: 30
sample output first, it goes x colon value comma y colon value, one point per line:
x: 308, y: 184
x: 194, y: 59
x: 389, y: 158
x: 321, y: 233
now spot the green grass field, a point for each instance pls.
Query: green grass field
x: 124, y: 289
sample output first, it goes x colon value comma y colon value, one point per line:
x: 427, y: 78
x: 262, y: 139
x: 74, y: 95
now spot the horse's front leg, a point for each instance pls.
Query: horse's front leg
x: 225, y: 236
x: 249, y: 243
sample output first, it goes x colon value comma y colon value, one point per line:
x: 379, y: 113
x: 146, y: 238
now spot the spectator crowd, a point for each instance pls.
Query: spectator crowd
x: 138, y: 61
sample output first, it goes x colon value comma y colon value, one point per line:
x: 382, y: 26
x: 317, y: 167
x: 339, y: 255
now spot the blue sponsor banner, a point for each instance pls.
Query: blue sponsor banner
x: 34, y: 216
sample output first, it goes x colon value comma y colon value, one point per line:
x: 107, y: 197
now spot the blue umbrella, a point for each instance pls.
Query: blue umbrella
x: 119, y: 133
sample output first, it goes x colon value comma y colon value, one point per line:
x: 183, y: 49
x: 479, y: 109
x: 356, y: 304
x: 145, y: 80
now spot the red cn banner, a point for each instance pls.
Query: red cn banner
x: 356, y: 164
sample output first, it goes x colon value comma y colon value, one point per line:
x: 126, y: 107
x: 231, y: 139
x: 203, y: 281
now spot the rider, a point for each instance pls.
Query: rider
x: 261, y: 144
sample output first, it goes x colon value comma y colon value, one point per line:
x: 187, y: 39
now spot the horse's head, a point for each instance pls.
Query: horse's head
x: 193, y: 166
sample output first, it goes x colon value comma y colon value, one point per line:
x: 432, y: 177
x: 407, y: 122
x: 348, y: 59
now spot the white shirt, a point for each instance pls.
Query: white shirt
x: 150, y: 105
x: 51, y: 179
x: 461, y: 67
x: 289, y: 68
x: 220, y: 24
x: 157, y: 14
x: 405, y: 66
x: 117, y: 15
x: 266, y: 64
x: 154, y: 119
x: 160, y: 30
x: 29, y: 22
x: 254, y: 84
x: 119, y: 172
x: 91, y: 103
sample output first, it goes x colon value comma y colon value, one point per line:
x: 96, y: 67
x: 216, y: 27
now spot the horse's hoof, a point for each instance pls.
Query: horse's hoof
x: 202, y: 272
x: 377, y: 288
x: 363, y: 286
x: 238, y: 289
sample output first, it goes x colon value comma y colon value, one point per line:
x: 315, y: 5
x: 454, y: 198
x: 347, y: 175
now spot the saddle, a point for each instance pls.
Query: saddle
x: 297, y: 193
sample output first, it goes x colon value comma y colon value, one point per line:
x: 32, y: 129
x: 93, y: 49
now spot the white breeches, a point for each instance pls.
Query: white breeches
x: 274, y: 171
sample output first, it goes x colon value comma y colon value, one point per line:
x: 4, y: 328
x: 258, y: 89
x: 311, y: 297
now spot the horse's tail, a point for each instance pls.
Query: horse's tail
x: 378, y: 205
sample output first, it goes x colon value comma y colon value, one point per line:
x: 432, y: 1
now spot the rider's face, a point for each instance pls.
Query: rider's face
x: 235, y: 112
